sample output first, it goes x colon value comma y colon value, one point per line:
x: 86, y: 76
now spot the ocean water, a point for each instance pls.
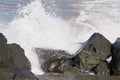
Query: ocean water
x: 57, y: 24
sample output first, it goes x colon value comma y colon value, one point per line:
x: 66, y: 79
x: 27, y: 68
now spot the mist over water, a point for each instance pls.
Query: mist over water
x: 101, y: 16
x: 35, y: 26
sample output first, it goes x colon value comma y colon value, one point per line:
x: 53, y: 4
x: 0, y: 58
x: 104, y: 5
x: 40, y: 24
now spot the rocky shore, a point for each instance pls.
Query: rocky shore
x: 14, y: 65
x: 88, y: 63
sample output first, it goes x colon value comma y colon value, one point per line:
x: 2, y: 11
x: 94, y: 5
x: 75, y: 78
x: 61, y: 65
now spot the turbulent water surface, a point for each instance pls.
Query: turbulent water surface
x: 57, y: 24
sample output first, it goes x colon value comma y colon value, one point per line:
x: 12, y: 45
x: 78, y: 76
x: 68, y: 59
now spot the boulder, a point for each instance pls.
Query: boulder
x: 72, y: 76
x: 52, y: 60
x: 6, y: 75
x: 18, y: 57
x: 12, y: 55
x: 14, y: 65
x: 48, y: 54
x: 93, y: 51
x: 16, y: 74
x: 57, y: 61
x: 59, y: 66
x: 4, y: 54
x: 115, y: 62
x: 102, y: 69
x: 55, y: 65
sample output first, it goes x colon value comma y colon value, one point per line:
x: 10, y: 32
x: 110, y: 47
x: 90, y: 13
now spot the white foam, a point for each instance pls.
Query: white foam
x: 109, y: 59
x: 34, y: 27
x: 37, y: 28
x: 101, y: 16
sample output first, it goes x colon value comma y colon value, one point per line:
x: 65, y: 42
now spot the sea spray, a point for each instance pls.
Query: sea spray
x: 34, y: 27
x: 101, y: 16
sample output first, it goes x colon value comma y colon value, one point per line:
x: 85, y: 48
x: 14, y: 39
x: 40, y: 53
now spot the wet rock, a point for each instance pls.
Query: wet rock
x: 54, y: 65
x: 4, y: 55
x: 57, y: 61
x: 18, y: 57
x: 59, y: 65
x: 95, y: 50
x: 62, y: 65
x: 90, y: 56
x: 102, y: 69
x: 72, y: 76
x: 5, y: 75
x: 16, y: 74
x: 115, y: 62
x: 14, y: 65
x: 48, y: 54
x: 12, y: 55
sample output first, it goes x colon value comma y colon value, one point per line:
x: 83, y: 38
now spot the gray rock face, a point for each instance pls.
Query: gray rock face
x: 12, y: 55
x: 115, y: 62
x: 95, y: 50
x: 53, y: 60
x: 102, y: 69
x: 18, y: 57
x: 4, y: 54
x: 14, y: 65
x: 55, y: 65
x: 61, y: 65
x: 47, y: 54
x: 72, y: 76
x: 16, y: 74
x: 91, y: 57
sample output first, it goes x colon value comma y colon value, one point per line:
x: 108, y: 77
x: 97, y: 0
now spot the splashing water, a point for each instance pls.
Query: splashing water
x: 101, y: 16
x: 35, y: 27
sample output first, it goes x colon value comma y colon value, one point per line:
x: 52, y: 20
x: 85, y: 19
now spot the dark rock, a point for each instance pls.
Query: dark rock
x: 16, y: 74
x: 56, y: 61
x: 4, y: 54
x: 61, y: 65
x: 3, y: 40
x: 95, y: 50
x: 14, y: 65
x: 55, y: 65
x: 22, y: 74
x: 72, y: 76
x: 12, y: 55
x: 18, y: 57
x: 6, y: 75
x: 115, y: 62
x: 102, y: 69
x: 48, y: 54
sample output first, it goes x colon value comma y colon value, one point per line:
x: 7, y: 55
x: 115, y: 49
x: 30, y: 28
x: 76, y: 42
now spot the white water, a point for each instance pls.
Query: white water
x: 37, y: 28
x: 101, y: 16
